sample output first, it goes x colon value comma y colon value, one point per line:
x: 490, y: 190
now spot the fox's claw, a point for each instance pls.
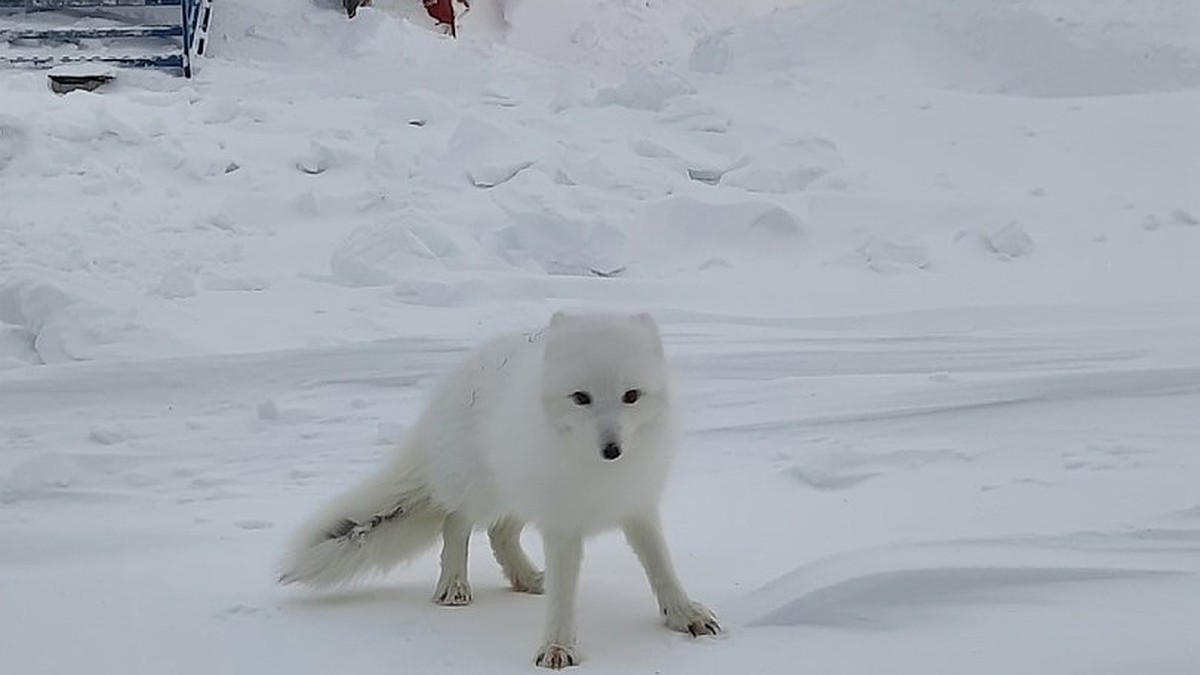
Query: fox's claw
x: 455, y: 593
x: 704, y: 628
x: 693, y: 618
x: 532, y: 583
x: 556, y: 657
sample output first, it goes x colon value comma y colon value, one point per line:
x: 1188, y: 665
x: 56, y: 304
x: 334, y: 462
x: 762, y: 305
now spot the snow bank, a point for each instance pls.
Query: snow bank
x: 1046, y: 49
x: 407, y: 246
x: 619, y: 33
x: 688, y: 234
x: 315, y: 156
x: 556, y: 238
x: 645, y: 89
x: 42, y: 323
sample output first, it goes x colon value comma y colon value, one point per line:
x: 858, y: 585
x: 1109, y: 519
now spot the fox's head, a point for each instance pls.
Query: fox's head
x: 605, y: 383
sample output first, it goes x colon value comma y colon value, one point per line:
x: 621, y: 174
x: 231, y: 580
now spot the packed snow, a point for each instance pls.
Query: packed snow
x: 928, y: 271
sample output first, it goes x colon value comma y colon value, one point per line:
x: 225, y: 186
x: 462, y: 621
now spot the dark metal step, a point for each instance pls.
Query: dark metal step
x: 142, y: 60
x: 90, y: 32
x: 62, y: 4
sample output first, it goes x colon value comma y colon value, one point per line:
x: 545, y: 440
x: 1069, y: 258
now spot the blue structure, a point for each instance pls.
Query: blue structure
x: 183, y: 38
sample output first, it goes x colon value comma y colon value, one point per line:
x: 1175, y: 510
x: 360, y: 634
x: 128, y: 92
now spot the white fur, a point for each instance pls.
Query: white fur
x: 503, y: 442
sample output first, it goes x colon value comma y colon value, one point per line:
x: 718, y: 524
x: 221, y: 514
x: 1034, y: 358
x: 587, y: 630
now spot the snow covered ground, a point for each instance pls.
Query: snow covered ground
x: 929, y: 271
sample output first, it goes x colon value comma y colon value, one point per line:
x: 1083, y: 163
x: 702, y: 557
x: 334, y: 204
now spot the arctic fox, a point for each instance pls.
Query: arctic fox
x: 569, y: 429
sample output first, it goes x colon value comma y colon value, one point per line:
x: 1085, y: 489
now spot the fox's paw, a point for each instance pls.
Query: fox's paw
x: 692, y: 617
x: 531, y: 582
x: 556, y: 656
x: 453, y: 593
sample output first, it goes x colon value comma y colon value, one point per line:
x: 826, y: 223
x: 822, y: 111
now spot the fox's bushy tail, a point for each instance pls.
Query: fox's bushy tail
x: 387, y: 519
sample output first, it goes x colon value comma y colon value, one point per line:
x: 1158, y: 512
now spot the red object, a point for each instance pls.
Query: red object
x: 442, y: 11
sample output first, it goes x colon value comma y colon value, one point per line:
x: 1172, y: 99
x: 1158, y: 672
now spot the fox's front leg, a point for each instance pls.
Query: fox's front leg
x: 564, y: 553
x: 644, y: 534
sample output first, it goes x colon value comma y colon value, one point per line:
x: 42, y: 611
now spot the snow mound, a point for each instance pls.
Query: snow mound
x: 46, y: 324
x: 613, y: 171
x: 685, y: 232
x: 556, y: 239
x: 623, y: 32
x: 17, y: 347
x: 791, y: 167
x: 490, y: 155
x: 40, y: 475
x: 379, y: 254
x: 698, y: 161
x: 1009, y: 241
x: 982, y: 583
x: 1049, y: 49
x: 419, y: 107
x: 324, y: 154
x: 646, y: 89
x: 894, y: 255
x: 888, y: 599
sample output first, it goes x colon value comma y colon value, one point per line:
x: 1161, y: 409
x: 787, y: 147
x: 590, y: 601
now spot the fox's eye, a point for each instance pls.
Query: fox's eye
x: 581, y: 398
x: 631, y: 396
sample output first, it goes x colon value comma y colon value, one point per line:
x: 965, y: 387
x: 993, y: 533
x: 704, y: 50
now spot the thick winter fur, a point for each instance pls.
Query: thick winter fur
x: 569, y: 429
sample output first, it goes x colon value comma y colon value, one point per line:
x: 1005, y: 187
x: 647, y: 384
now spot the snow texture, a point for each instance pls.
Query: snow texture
x: 927, y: 270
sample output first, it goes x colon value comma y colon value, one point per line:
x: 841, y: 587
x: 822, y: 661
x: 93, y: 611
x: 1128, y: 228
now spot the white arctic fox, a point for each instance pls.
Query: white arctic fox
x: 569, y: 429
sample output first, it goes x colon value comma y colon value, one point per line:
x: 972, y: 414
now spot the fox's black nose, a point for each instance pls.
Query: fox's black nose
x: 611, y: 451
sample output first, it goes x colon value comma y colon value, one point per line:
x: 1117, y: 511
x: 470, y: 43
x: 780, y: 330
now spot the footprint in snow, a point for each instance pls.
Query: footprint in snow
x: 110, y: 435
x: 242, y: 611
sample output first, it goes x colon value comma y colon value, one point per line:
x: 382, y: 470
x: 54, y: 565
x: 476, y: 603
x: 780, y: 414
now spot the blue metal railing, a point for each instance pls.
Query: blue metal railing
x: 181, y: 41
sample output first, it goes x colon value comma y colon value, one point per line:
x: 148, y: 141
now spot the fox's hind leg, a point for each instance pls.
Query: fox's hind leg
x: 452, y: 586
x: 505, y: 536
